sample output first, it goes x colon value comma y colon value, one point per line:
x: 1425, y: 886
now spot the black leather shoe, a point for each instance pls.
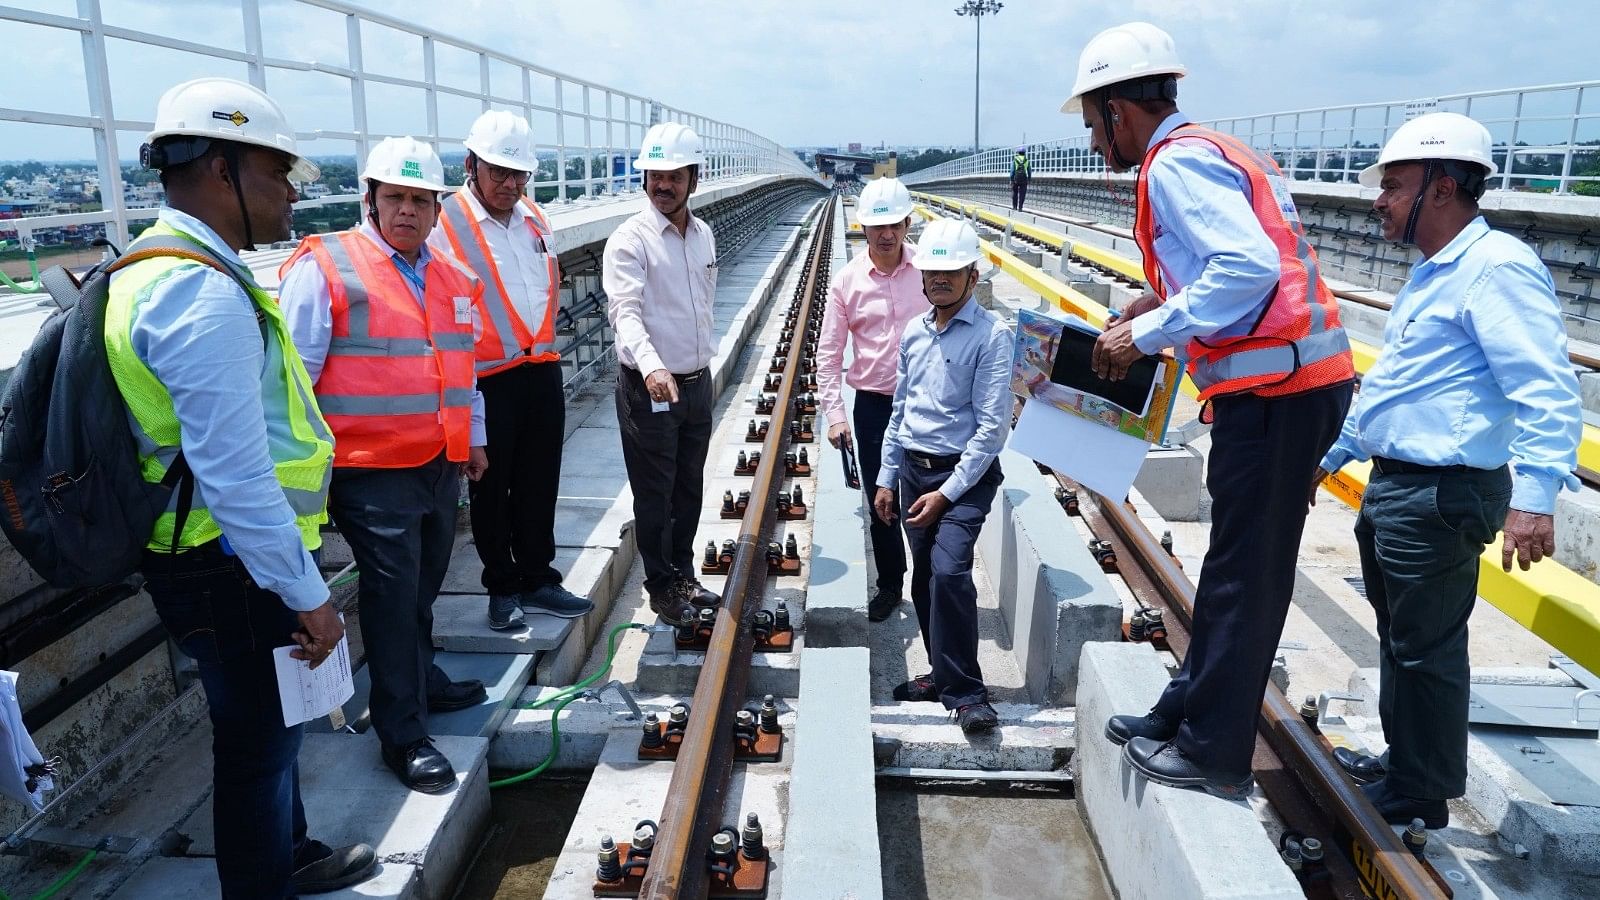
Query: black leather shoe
x: 1121, y: 729
x: 669, y: 604
x: 420, y: 767
x: 320, y: 869
x: 696, y: 594
x: 882, y: 606
x: 1362, y: 768
x: 1164, y: 763
x: 459, y: 695
x: 1400, y: 810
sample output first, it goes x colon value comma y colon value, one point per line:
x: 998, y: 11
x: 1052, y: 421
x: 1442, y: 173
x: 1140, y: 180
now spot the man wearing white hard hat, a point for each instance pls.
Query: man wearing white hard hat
x: 1473, y: 375
x: 386, y: 331
x: 494, y: 229
x: 869, y: 304
x: 660, y: 277
x: 213, y: 384
x: 1236, y: 289
x: 941, y: 468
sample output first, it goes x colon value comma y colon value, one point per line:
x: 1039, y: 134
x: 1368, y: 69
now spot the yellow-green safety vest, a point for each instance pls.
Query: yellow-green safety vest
x: 298, y: 438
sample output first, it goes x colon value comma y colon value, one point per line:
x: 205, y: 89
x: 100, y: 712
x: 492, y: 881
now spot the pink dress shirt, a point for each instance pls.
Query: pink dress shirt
x: 872, y: 309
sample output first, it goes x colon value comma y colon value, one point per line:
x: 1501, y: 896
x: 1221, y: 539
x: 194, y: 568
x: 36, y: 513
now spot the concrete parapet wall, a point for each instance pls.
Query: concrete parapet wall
x: 1053, y: 596
x: 1160, y: 842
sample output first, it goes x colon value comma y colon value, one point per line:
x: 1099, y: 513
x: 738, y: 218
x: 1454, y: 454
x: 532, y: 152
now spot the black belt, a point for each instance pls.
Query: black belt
x: 1385, y: 466
x: 690, y: 378
x: 929, y: 461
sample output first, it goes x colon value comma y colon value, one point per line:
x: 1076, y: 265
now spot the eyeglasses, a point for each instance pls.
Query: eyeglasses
x: 500, y: 174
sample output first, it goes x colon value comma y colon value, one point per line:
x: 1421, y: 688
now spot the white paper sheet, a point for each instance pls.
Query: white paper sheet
x: 308, y: 693
x: 1100, y: 459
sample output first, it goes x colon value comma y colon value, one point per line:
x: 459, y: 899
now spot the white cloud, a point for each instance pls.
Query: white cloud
x: 899, y: 71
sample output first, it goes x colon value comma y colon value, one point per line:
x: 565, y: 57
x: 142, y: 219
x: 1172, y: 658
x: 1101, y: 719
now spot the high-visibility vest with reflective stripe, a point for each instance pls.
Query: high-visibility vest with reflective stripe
x: 397, y: 384
x: 1020, y: 166
x: 507, y: 340
x: 298, y: 439
x: 1297, y: 343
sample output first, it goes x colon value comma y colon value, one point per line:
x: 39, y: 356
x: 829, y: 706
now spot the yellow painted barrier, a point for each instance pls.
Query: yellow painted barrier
x: 1550, y: 600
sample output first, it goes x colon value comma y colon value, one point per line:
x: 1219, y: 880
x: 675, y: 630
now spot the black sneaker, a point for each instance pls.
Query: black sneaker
x: 977, y: 717
x: 320, y: 869
x: 555, y: 600
x: 505, y: 612
x: 918, y: 690
x: 696, y: 594
x: 883, y: 605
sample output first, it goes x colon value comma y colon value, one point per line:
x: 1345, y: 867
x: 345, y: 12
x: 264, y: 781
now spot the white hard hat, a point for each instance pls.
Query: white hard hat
x: 670, y: 145
x: 405, y: 161
x: 1124, y: 53
x: 884, y: 201
x: 947, y: 244
x: 503, y: 139
x: 1441, y: 135
x: 225, y: 109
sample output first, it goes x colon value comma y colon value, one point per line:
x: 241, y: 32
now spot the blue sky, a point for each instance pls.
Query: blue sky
x: 803, y: 74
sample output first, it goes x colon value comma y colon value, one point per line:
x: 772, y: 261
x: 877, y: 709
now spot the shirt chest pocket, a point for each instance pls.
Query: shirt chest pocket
x: 954, y: 389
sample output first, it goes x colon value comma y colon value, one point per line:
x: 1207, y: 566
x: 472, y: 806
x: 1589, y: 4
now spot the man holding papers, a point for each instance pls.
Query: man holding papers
x: 1237, y: 288
x: 952, y: 410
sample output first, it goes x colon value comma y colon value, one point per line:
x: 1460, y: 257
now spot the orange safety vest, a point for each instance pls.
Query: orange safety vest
x: 1297, y: 343
x: 506, y: 341
x: 397, y: 385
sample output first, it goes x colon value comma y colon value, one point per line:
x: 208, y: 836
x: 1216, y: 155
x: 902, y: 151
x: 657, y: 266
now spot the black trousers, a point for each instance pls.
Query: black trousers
x: 514, y: 503
x: 872, y: 411
x: 401, y: 525
x: 1263, y: 451
x: 1019, y: 192
x: 1420, y: 535
x: 942, y: 589
x: 665, y: 453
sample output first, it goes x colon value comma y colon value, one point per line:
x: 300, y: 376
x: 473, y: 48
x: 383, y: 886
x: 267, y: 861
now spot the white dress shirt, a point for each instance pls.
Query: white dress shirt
x: 519, y: 254
x: 660, y: 287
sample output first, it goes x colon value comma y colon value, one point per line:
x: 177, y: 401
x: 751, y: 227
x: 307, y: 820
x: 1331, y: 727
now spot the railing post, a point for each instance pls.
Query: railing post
x: 358, y: 88
x: 430, y: 74
x: 98, y: 81
x: 251, y: 12
x: 561, y: 145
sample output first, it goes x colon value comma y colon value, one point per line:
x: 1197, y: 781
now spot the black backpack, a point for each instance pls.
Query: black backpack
x: 72, y: 498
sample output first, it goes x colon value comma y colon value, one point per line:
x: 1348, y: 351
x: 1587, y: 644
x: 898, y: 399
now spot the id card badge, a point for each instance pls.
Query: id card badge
x: 660, y: 406
x: 463, y: 310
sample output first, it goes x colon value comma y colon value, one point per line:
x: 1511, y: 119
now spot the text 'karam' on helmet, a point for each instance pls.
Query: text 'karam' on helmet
x: 1440, y: 135
x: 503, y: 139
x: 1128, y: 52
x: 947, y: 244
x: 883, y: 201
x: 406, y: 162
x: 670, y: 145
x: 224, y: 109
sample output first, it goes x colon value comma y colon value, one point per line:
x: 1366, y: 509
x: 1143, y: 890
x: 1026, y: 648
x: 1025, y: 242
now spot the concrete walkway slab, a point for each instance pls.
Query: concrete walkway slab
x: 351, y: 796
x: 185, y: 878
x: 461, y: 624
x: 1160, y: 842
x: 832, y: 846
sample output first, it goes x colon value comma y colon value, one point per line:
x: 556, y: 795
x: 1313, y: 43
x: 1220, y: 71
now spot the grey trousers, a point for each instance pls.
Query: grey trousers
x: 401, y: 525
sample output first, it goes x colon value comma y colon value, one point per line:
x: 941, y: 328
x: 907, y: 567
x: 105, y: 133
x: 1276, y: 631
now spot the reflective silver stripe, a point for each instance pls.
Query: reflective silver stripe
x: 1278, y: 360
x: 453, y: 340
x: 369, y: 346
x: 354, y: 291
x: 399, y: 405
x: 303, y: 503
x: 498, y: 305
x: 458, y: 396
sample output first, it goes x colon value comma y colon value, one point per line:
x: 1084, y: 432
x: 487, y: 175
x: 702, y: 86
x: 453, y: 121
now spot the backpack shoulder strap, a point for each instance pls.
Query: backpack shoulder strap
x: 160, y: 245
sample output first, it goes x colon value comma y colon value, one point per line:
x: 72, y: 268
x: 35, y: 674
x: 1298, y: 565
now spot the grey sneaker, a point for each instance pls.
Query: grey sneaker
x: 505, y: 612
x: 557, y: 601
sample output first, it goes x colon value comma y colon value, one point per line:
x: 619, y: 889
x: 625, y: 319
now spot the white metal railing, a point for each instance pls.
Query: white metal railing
x: 590, y: 129
x: 1546, y: 137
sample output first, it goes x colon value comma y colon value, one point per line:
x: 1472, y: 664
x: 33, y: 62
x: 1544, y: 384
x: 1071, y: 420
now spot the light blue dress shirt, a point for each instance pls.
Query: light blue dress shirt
x: 1473, y: 372
x: 1217, y: 262
x: 199, y: 334
x: 951, y: 395
x: 308, y: 310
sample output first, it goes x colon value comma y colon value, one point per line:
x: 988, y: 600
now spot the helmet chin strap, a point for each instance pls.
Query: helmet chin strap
x: 1410, y: 234
x: 1110, y: 123
x: 230, y: 155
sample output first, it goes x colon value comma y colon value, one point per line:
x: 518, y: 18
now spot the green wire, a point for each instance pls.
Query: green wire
x: 66, y: 879
x: 32, y: 287
x: 561, y: 698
